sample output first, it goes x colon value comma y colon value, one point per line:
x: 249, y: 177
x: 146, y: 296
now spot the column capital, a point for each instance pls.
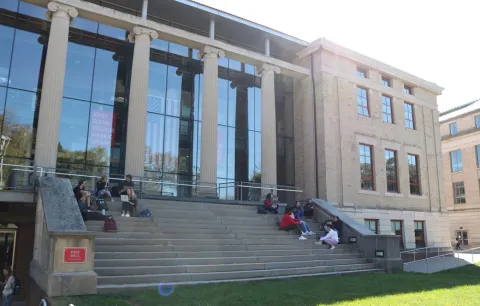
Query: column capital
x: 268, y: 69
x: 211, y: 52
x: 139, y: 31
x: 61, y: 10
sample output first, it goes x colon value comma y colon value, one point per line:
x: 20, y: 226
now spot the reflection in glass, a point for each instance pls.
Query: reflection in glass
x: 32, y: 10
x: 157, y: 87
x: 222, y: 151
x: 100, y: 135
x: 6, y: 41
x: 222, y: 101
x: 197, y: 139
x: 72, y: 138
x: 3, y: 94
x: 110, y: 31
x: 178, y: 50
x: 26, y: 61
x: 85, y: 25
x: 160, y: 45
x: 79, y: 72
x: 9, y: 5
x: 154, y: 142
x: 18, y: 123
x: 171, y: 145
x: 174, y: 92
x: 105, y: 77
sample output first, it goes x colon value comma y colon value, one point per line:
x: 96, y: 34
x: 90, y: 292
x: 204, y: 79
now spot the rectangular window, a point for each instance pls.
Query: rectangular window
x: 477, y: 149
x: 419, y: 230
x: 397, y: 229
x: 391, y: 168
x: 477, y: 122
x: 409, y: 116
x: 459, y: 193
x: 361, y: 72
x: 386, y: 82
x: 362, y: 102
x: 408, y: 90
x: 366, y: 167
x: 456, y: 161
x: 387, y: 109
x: 414, y: 173
x: 453, y: 128
x: 372, y: 224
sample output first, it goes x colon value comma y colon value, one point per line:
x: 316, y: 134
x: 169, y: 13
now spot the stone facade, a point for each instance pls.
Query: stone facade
x: 340, y: 131
x: 463, y: 216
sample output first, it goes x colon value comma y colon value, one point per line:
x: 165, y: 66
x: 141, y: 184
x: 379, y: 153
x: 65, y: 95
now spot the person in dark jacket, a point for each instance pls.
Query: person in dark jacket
x: 127, y: 183
x: 81, y: 194
x: 101, y: 188
x: 298, y: 211
x: 308, y: 210
x: 268, y: 204
x: 337, y: 225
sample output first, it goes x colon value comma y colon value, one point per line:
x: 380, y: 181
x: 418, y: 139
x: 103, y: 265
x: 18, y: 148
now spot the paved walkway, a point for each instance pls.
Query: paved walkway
x: 437, y: 264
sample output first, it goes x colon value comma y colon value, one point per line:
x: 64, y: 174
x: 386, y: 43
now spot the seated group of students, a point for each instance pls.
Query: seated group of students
x: 293, y: 219
x: 125, y: 188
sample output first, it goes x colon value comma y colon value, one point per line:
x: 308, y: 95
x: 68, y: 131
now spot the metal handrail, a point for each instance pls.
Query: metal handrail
x: 418, y: 249
x: 454, y: 254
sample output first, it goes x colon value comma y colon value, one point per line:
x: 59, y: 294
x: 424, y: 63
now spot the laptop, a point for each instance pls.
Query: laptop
x: 124, y: 198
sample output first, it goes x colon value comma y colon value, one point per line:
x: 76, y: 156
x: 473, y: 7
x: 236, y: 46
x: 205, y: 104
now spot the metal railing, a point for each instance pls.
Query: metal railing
x: 440, y: 262
x: 255, y: 192
x: 421, y: 253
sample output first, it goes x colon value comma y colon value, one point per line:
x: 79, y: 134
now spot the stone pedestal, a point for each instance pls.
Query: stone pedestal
x: 52, y: 88
x: 137, y: 104
x: 269, y: 133
x: 209, y: 143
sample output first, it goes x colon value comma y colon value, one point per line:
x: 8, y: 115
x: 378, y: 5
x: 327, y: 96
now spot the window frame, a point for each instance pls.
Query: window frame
x: 386, y: 81
x: 452, y: 168
x: 407, y: 89
x: 392, y: 120
x: 417, y: 169
x: 458, y: 198
x: 367, y: 101
x: 376, y: 224
x: 396, y: 182
x: 360, y: 71
x: 402, y: 243
x: 372, y: 166
x: 413, y: 116
x: 477, y: 154
x: 477, y: 122
x: 453, y: 126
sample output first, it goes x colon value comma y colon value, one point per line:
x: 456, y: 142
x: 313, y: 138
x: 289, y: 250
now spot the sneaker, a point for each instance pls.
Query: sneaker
x: 312, y: 233
x: 123, y: 215
x: 303, y: 234
x: 127, y: 215
x: 332, y: 248
x: 302, y: 238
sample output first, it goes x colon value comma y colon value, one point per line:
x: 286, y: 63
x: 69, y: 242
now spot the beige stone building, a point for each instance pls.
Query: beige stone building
x: 460, y: 131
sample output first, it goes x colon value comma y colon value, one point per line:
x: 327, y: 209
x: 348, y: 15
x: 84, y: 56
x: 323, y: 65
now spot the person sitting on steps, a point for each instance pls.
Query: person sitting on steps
x: 268, y: 204
x: 129, y: 201
x: 298, y: 211
x: 290, y: 223
x: 127, y: 183
x: 331, y: 238
x: 81, y: 194
x: 101, y: 188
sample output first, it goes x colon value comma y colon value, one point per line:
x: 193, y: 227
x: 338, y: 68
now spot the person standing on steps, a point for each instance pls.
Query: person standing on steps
x: 268, y: 204
x: 8, y: 288
x: 290, y: 223
x: 331, y: 238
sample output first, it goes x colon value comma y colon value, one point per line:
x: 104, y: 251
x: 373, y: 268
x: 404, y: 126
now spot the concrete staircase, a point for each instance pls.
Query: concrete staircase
x: 192, y: 243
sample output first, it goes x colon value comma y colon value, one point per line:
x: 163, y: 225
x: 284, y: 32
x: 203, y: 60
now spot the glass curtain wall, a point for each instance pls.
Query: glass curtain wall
x: 285, y: 136
x: 23, y: 44
x: 239, y: 129
x: 92, y: 134
x: 172, y: 153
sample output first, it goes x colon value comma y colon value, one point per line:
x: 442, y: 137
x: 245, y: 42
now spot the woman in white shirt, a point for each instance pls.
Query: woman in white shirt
x: 331, y: 238
x: 8, y: 288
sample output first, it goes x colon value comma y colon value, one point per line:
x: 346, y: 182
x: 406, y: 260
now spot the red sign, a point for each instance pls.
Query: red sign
x: 74, y: 255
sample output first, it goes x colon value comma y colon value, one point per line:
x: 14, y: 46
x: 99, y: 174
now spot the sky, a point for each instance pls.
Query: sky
x: 435, y: 40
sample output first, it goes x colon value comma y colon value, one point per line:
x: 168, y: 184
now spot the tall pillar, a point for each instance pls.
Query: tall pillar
x: 138, y: 101
x: 208, y: 156
x: 52, y: 90
x: 269, y: 132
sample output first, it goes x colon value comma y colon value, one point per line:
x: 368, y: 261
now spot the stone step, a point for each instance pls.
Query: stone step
x: 208, y: 276
x: 161, y: 235
x: 163, y: 229
x: 210, y: 248
x: 159, y: 262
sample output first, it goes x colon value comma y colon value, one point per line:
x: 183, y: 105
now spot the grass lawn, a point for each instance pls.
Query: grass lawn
x: 454, y: 287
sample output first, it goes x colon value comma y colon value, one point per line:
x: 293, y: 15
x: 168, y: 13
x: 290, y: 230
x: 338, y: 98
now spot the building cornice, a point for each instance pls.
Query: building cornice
x: 325, y: 44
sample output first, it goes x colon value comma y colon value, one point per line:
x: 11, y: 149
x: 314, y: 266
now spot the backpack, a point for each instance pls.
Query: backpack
x: 16, y: 287
x: 261, y: 210
x: 101, y: 204
x: 145, y: 213
x: 110, y: 225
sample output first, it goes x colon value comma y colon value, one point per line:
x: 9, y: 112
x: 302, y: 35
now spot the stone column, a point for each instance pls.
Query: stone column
x: 52, y: 90
x: 269, y: 131
x: 208, y: 156
x: 137, y: 104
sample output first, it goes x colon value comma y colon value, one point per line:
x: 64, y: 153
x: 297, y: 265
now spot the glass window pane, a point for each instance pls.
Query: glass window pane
x: 72, y: 138
x: 258, y: 109
x: 32, y: 10
x: 223, y: 86
x: 249, y: 69
x: 233, y: 64
x: 9, y: 5
x: 160, y: 45
x: 112, y: 32
x: 6, y: 41
x: 105, y: 77
x: 251, y: 108
x: 18, y: 123
x: 231, y: 153
x: 26, y: 61
x: 222, y: 152
x: 198, y: 97
x: 251, y: 155
x: 85, y: 25
x: 157, y: 87
x: 197, y: 144
x: 3, y: 96
x: 79, y: 72
x: 223, y: 62
x: 171, y: 145
x: 178, y: 50
x: 100, y: 135
x: 258, y: 154
x: 232, y: 106
x: 154, y: 142
x: 174, y: 92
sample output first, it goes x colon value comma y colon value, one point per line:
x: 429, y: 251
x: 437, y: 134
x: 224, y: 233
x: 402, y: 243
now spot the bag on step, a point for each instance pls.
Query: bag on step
x: 101, y: 204
x: 145, y: 213
x: 261, y: 210
x: 110, y: 225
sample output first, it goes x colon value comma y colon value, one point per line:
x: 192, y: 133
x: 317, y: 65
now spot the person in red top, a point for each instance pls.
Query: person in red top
x: 289, y: 223
x: 268, y: 204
